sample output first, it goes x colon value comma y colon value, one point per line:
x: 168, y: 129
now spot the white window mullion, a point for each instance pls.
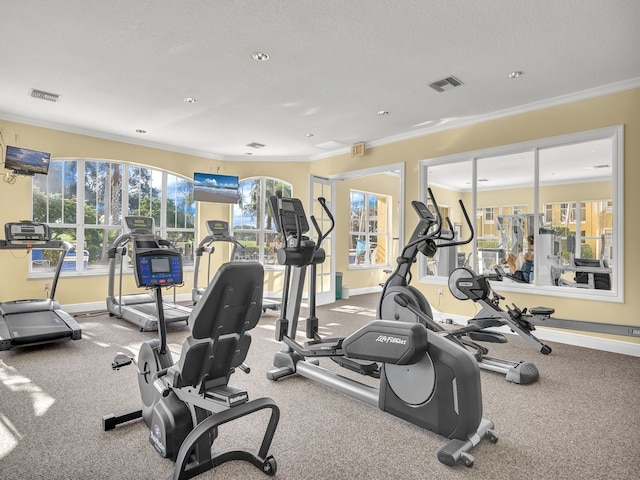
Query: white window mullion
x: 80, y: 221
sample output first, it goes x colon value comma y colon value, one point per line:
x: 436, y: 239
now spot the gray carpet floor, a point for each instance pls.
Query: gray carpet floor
x: 580, y: 420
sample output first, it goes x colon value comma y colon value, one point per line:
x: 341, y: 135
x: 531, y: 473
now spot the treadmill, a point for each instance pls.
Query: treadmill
x: 218, y: 231
x: 35, y: 321
x: 139, y: 309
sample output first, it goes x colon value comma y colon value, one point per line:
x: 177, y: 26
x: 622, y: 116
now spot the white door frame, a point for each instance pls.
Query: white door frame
x: 327, y: 296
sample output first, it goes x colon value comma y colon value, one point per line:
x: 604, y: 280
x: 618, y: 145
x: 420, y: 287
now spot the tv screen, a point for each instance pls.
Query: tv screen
x: 211, y: 187
x: 26, y: 162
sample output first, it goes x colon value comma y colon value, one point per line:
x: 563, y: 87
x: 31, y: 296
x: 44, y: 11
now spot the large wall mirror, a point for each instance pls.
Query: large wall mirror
x: 547, y: 215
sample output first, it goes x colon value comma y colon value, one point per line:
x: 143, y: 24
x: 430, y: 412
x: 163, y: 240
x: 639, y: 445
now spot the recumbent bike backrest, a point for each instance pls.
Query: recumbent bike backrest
x: 219, y: 323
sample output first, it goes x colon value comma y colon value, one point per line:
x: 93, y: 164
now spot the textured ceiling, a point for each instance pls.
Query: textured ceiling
x: 123, y: 65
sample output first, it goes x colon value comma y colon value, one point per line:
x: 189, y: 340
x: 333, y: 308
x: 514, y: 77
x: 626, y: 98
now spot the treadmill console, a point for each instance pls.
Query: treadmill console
x: 158, y: 268
x: 218, y: 228
x: 139, y: 224
x: 19, y: 233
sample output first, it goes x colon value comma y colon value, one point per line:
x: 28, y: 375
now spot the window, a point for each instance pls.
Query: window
x: 85, y: 201
x: 252, y: 221
x: 565, y: 193
x: 369, y: 228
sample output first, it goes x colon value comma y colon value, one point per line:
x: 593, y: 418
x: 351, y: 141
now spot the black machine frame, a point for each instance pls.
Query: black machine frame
x: 405, y: 356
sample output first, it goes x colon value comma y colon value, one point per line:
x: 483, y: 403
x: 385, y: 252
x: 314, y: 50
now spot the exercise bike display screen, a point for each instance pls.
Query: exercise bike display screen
x: 158, y: 269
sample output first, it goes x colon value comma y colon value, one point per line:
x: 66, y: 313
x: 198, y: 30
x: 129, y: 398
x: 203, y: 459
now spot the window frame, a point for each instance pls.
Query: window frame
x: 368, y: 234
x: 81, y: 226
x: 616, y: 135
x: 261, y: 232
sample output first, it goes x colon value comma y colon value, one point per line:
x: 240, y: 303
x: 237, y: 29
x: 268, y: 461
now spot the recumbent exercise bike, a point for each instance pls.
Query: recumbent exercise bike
x: 184, y: 403
x: 425, y: 378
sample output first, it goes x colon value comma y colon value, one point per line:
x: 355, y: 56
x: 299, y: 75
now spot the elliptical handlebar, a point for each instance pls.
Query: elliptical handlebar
x: 469, y: 224
x: 321, y: 236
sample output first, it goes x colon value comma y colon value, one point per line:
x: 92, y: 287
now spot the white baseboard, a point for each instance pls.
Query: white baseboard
x: 543, y: 333
x: 561, y: 336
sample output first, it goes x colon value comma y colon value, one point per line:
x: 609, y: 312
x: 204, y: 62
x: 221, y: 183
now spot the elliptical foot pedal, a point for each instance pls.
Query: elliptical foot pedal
x: 363, y: 367
x: 487, y: 336
x: 542, y: 311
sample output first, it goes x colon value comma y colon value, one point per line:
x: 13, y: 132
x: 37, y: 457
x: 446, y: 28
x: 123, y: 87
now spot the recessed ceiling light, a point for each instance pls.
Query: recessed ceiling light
x: 382, y: 113
x: 260, y: 56
x: 516, y: 74
x: 308, y: 135
x: 190, y: 100
x: 248, y: 153
x: 140, y: 130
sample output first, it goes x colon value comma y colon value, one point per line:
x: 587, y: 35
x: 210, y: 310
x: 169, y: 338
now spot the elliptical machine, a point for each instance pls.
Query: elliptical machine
x: 424, y: 378
x: 184, y: 403
x: 402, y: 301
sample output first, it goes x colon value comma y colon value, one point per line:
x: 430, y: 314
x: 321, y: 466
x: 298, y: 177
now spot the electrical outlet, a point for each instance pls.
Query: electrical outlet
x: 46, y: 287
x: 439, y: 292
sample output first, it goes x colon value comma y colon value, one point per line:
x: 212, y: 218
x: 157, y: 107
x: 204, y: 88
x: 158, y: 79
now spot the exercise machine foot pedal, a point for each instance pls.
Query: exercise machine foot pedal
x: 489, y: 337
x: 542, y: 311
x: 363, y: 367
x: 229, y: 396
x: 120, y: 361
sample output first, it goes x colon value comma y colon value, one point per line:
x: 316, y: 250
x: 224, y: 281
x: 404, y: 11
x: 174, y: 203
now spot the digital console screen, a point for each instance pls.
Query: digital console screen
x: 160, y: 265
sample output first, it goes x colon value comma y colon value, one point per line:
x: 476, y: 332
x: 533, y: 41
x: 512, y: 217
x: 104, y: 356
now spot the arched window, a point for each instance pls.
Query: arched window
x: 84, y: 202
x: 252, y: 222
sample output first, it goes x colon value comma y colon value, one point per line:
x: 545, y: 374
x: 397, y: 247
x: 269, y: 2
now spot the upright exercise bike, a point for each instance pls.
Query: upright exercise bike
x: 184, y: 403
x: 402, y: 301
x: 424, y: 378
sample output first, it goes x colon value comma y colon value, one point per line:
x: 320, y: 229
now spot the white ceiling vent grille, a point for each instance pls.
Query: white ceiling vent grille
x: 51, y: 97
x: 255, y: 145
x: 446, y: 84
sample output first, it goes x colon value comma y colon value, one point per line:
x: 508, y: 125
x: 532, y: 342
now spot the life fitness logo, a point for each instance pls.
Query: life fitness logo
x: 155, y: 437
x: 394, y: 340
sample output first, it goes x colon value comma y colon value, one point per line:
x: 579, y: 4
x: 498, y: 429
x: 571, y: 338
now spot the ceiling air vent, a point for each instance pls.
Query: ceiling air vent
x: 51, y: 97
x: 446, y: 84
x: 255, y: 145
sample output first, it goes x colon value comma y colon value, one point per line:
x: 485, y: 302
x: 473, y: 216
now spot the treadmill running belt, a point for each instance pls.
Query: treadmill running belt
x: 36, y: 327
x: 171, y: 313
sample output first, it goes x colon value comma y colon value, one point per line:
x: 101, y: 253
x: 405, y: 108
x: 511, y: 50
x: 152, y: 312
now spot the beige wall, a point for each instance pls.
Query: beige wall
x: 608, y: 110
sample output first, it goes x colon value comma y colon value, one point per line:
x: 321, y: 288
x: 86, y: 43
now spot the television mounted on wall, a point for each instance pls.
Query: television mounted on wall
x: 23, y: 161
x: 212, y: 187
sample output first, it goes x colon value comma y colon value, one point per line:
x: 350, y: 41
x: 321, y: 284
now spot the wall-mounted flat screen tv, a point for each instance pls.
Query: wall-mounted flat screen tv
x: 26, y: 162
x: 211, y: 187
